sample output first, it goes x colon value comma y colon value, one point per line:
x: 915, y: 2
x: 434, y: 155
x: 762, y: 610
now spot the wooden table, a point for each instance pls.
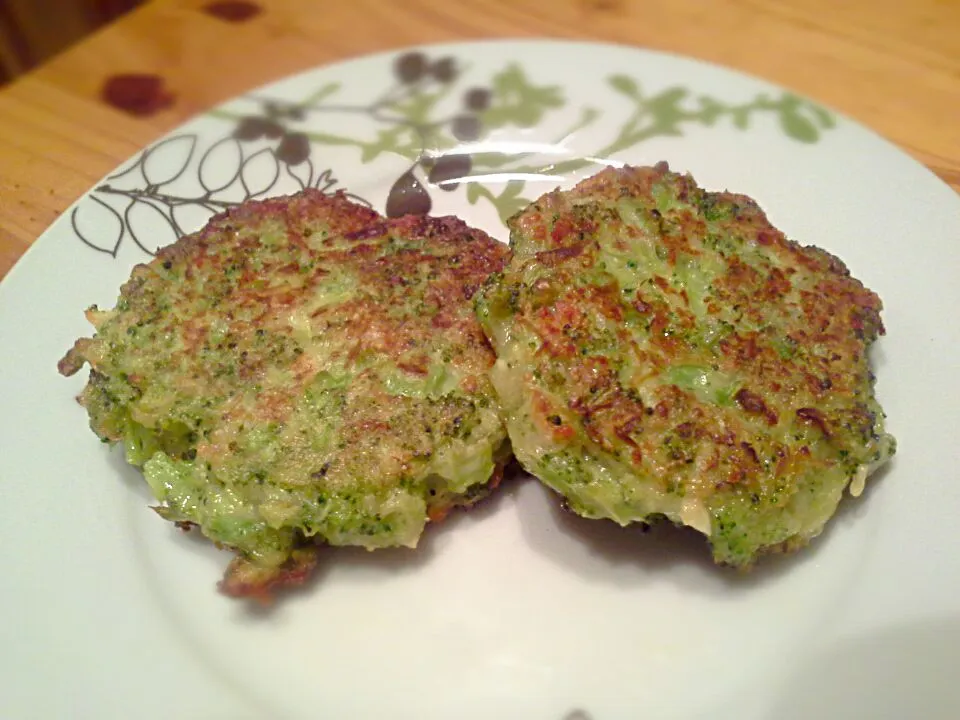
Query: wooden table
x: 891, y: 64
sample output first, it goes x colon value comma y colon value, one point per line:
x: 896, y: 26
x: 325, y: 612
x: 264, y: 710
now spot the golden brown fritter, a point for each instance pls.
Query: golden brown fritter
x: 665, y: 351
x: 302, y: 370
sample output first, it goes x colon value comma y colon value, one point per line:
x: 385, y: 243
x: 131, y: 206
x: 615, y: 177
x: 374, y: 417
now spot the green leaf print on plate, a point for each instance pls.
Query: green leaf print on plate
x: 437, y: 144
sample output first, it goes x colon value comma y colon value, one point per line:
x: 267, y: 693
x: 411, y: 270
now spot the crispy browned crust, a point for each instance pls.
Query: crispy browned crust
x: 244, y: 579
x: 288, y: 319
x: 787, y: 324
x: 833, y: 310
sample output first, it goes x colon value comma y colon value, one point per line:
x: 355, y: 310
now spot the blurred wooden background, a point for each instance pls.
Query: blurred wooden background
x: 32, y: 31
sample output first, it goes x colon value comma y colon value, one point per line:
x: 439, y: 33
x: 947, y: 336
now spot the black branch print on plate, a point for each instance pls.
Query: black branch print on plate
x: 140, y: 203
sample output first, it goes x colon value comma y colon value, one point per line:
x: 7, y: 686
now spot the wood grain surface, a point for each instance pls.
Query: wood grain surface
x: 890, y: 64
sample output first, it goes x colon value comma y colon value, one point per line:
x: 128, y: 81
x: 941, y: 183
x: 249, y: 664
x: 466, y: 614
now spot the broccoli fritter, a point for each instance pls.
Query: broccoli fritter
x: 302, y: 371
x: 664, y: 351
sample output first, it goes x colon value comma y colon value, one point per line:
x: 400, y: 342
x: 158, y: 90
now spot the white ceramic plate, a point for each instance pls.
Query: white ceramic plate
x: 513, y: 610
